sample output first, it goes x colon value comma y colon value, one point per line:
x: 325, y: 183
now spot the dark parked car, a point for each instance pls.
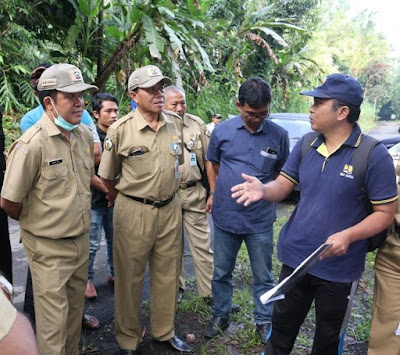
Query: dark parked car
x: 297, y: 124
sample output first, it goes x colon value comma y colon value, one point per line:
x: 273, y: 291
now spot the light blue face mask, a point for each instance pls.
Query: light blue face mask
x: 61, y: 122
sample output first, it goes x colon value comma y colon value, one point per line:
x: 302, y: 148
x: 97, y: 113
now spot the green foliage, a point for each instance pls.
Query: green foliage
x: 218, y: 96
x: 207, y: 47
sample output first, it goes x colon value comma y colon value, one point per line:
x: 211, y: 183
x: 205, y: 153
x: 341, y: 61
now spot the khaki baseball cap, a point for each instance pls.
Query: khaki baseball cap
x: 65, y: 78
x: 146, y: 77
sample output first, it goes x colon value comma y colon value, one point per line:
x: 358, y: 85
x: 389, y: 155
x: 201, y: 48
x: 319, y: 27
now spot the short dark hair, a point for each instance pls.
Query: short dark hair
x: 99, y: 98
x: 255, y: 92
x: 37, y: 72
x: 354, y: 113
x: 45, y: 93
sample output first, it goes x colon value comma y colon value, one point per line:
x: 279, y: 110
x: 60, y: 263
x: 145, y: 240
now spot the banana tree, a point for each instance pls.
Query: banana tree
x: 133, y: 33
x: 253, y: 25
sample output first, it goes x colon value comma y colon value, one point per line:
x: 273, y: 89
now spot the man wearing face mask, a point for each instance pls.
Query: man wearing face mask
x: 47, y: 188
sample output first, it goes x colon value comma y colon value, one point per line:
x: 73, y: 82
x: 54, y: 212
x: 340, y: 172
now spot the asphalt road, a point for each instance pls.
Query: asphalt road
x: 103, y: 306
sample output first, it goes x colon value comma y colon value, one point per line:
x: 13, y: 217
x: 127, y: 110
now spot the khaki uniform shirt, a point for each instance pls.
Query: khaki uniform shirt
x: 51, y: 177
x: 8, y: 314
x: 195, y: 141
x: 393, y: 239
x: 145, y: 161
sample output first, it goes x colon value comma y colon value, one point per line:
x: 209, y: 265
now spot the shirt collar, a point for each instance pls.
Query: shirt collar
x: 142, y: 123
x: 49, y: 125
x: 353, y: 140
x: 185, y: 120
x: 52, y: 129
x: 262, y: 128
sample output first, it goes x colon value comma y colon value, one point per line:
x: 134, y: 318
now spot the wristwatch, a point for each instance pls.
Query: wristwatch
x: 6, y: 287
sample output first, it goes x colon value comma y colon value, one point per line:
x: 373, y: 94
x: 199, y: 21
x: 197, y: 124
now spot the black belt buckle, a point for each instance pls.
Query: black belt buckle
x: 159, y: 204
x: 190, y: 184
x: 186, y: 185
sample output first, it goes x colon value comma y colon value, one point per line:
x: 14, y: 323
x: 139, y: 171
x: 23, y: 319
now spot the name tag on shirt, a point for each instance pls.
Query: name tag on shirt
x: 192, y: 159
x: 269, y: 153
x: 54, y: 162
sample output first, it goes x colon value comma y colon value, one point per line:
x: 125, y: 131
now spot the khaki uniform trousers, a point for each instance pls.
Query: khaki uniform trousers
x: 59, y: 276
x: 143, y: 232
x: 386, y: 304
x: 193, y: 201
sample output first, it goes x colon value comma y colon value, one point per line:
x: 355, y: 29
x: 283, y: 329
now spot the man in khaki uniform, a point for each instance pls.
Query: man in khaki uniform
x: 47, y: 188
x: 143, y: 151
x: 384, y: 337
x: 192, y: 194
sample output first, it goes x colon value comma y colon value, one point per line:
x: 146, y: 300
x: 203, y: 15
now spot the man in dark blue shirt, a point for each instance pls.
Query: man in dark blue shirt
x: 251, y: 143
x: 331, y: 210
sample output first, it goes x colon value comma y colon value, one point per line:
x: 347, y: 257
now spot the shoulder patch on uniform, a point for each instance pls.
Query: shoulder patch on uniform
x: 21, y: 148
x: 108, y: 144
x: 31, y: 132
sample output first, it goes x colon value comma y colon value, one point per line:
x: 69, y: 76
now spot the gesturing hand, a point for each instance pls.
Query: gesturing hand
x: 250, y: 191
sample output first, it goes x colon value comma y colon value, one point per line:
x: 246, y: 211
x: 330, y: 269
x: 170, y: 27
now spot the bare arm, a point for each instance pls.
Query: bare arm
x: 97, y: 183
x: 12, y: 209
x: 112, y: 191
x: 20, y: 339
x: 380, y: 219
x: 97, y: 152
x: 212, y: 173
x: 253, y: 190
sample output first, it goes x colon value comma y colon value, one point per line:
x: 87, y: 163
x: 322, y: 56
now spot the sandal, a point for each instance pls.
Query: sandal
x: 90, y: 322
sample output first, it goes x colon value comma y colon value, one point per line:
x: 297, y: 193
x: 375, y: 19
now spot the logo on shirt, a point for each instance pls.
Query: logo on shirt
x: 108, y: 144
x: 347, y: 171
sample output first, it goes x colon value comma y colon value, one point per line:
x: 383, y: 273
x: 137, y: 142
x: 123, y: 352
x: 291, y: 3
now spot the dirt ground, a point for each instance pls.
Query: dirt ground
x: 102, y: 341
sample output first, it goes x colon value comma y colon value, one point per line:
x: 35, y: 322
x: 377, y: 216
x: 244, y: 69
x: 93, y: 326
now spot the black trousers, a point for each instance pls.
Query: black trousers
x: 331, y: 300
x: 5, y: 247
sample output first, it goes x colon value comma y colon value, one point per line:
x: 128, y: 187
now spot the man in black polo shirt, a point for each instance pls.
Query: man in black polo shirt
x: 105, y: 110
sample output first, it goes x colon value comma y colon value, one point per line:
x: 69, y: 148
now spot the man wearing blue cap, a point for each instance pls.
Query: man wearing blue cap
x: 330, y: 210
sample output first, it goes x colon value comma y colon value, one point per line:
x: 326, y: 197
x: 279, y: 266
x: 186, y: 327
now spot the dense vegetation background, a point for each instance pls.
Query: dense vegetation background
x: 206, y: 46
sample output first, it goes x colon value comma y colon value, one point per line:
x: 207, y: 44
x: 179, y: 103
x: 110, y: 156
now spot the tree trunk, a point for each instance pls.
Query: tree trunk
x: 100, y: 43
x: 120, y: 51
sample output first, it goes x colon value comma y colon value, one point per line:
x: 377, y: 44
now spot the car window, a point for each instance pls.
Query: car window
x: 295, y: 128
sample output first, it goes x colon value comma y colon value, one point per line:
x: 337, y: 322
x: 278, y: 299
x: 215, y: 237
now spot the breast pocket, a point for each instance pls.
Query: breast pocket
x: 140, y: 165
x: 266, y: 162
x: 55, y: 182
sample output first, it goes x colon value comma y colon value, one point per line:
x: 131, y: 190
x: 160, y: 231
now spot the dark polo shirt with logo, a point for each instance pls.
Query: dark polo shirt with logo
x: 330, y: 202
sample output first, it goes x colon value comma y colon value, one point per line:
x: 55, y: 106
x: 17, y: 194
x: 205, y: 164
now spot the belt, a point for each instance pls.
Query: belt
x: 157, y: 204
x: 186, y: 185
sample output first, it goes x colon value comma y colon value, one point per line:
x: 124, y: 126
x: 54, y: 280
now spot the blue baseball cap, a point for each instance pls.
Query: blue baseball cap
x: 340, y: 87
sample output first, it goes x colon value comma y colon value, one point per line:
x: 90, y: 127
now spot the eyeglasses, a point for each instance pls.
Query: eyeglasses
x: 253, y: 115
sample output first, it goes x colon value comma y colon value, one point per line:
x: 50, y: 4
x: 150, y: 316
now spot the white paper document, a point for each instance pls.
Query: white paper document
x: 278, y: 292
